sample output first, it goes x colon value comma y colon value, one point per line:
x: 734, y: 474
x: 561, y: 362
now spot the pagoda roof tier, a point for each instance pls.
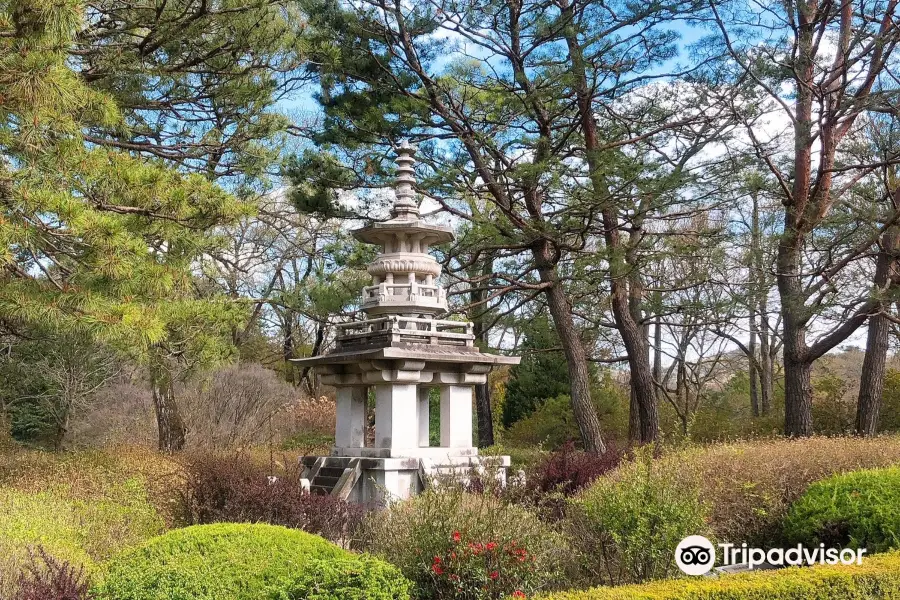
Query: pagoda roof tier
x: 406, y: 363
x: 425, y: 353
x: 386, y: 232
x: 432, y: 341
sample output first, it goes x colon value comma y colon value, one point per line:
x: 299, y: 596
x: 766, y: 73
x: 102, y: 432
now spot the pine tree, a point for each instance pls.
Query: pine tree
x: 91, y: 238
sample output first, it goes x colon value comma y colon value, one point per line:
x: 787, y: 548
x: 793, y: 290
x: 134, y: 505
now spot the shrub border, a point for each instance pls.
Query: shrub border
x: 876, y: 579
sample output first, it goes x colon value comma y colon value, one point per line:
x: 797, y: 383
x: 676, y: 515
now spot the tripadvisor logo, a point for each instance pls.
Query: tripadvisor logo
x: 696, y: 555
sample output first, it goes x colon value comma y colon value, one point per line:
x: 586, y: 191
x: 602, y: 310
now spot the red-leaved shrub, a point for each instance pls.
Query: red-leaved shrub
x: 569, y: 470
x: 238, y: 489
x: 47, y: 578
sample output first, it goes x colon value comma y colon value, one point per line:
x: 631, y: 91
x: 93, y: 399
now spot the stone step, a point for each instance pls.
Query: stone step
x: 330, y: 472
x: 324, y: 481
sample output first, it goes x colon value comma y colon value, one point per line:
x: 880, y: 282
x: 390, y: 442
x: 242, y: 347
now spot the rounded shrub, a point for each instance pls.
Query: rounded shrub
x: 860, y: 509
x: 213, y: 562
x: 358, y: 577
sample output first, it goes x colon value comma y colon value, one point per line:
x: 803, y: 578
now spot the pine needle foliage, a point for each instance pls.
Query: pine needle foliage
x: 92, y: 237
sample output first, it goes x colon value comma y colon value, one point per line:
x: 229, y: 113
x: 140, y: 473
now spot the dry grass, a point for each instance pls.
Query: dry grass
x: 307, y: 425
x: 750, y: 485
x: 81, y: 506
x: 92, y: 474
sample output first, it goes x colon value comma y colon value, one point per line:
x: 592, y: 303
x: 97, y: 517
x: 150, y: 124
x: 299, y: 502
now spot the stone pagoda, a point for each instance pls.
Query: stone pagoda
x: 401, y: 351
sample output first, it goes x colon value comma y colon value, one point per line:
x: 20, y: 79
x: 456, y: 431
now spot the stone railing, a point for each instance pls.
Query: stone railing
x: 387, y: 290
x: 404, y: 297
x: 397, y: 329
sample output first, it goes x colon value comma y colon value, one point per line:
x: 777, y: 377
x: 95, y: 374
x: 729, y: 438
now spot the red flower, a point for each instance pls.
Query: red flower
x: 518, y: 594
x: 491, y: 546
x: 495, y: 574
x: 456, y: 536
x: 437, y: 569
x: 437, y: 560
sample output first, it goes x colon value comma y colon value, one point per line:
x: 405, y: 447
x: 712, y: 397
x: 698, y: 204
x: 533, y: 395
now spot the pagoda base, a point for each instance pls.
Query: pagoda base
x: 377, y: 481
x: 433, y: 453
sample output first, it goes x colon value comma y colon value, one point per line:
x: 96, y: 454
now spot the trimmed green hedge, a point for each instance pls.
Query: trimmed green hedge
x: 361, y: 577
x: 878, y: 578
x: 239, y: 562
x: 858, y: 510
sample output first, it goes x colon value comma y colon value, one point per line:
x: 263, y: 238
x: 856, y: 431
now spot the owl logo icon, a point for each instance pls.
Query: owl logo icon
x: 695, y: 555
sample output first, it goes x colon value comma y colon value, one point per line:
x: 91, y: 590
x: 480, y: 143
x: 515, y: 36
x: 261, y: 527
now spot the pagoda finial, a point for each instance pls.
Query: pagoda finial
x: 405, y: 204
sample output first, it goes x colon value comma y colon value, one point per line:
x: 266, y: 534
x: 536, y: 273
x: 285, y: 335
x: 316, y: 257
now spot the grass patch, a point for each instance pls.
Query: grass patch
x: 82, y: 507
x: 749, y: 486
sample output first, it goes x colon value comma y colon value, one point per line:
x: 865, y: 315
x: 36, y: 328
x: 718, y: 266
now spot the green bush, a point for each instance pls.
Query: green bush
x: 542, y: 374
x: 876, y: 579
x: 352, y: 578
x: 627, y: 523
x: 833, y: 410
x: 213, y: 562
x: 552, y: 424
x: 857, y: 510
x: 726, y: 414
x: 428, y: 530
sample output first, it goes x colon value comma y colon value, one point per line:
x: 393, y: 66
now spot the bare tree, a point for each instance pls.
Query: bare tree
x: 837, y: 60
x: 871, y: 383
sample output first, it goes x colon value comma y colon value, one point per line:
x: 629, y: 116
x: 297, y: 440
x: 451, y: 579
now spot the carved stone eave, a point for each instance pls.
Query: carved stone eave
x: 413, y: 363
x: 386, y: 231
x: 412, y: 352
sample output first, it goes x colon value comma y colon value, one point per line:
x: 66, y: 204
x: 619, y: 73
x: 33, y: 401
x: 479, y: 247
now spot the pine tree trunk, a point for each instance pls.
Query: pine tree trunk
x: 576, y: 358
x: 797, y: 365
x: 642, y: 386
x: 620, y: 272
x: 758, y: 328
x: 287, y: 347
x: 797, y: 396
x: 657, y: 350
x: 638, y: 362
x: 483, y: 411
x: 681, y: 393
x: 753, y: 370
x: 871, y: 382
x: 634, y: 416
x: 170, y: 425
x: 766, y: 364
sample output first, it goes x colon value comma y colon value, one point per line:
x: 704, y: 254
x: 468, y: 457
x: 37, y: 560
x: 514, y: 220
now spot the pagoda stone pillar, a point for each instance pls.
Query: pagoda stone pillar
x: 424, y: 416
x: 396, y: 422
x: 456, y: 416
x: 350, y: 417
